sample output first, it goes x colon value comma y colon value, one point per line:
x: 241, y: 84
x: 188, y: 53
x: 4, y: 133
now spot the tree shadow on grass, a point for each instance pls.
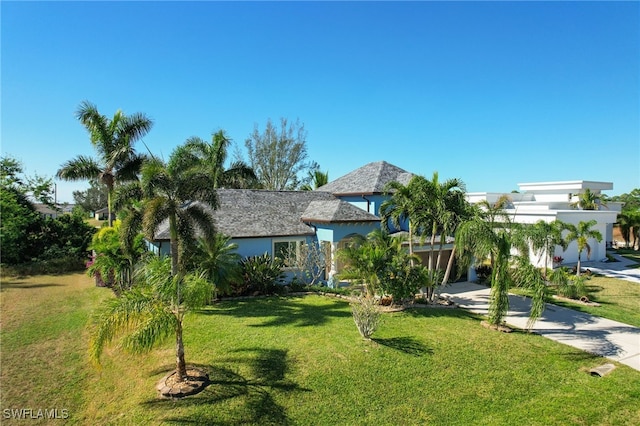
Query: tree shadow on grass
x: 232, y: 398
x: 409, y: 345
x: 278, y: 311
x: 18, y: 285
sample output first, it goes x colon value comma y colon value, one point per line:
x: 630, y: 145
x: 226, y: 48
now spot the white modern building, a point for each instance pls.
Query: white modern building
x: 549, y: 201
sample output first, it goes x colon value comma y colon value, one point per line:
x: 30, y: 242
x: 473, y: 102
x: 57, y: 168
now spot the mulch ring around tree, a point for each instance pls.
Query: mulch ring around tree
x: 170, y: 387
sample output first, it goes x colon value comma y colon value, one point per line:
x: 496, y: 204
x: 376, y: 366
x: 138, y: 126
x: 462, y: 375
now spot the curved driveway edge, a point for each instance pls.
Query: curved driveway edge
x: 610, y: 339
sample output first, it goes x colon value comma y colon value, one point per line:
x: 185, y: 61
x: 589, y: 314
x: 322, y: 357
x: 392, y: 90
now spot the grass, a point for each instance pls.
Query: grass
x: 300, y: 360
x: 630, y: 254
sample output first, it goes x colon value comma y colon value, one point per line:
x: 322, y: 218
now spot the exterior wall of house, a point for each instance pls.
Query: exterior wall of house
x: 368, y: 203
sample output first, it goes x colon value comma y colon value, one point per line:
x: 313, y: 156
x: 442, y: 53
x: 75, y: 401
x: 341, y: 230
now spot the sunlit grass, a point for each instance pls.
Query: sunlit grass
x: 301, y: 360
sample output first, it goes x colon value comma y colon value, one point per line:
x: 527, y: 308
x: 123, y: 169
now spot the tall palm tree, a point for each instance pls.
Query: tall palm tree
x: 401, y: 208
x: 113, y: 140
x: 150, y: 312
x: 581, y: 234
x: 211, y: 157
x: 172, y: 192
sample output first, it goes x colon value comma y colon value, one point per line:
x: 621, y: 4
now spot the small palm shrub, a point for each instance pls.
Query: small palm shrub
x: 568, y: 285
x: 366, y: 316
x: 483, y: 272
x: 260, y: 274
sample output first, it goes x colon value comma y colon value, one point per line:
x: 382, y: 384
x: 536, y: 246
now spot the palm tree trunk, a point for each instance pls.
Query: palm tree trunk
x: 578, y: 270
x: 411, y: 243
x: 181, y: 366
x: 109, y: 218
x: 447, y: 272
x: 173, y: 243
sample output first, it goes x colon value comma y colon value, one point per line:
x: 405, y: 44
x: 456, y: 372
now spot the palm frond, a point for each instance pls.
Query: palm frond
x: 80, y: 168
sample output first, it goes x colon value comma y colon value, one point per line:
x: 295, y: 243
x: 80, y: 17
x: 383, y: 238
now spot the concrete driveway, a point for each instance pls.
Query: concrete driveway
x: 620, y: 269
x: 610, y: 339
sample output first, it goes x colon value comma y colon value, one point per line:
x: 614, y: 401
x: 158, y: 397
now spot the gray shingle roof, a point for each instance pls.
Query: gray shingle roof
x: 246, y: 213
x: 368, y: 179
x: 336, y: 211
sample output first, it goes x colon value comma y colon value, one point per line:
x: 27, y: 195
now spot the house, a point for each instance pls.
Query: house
x: 47, y: 211
x: 549, y: 201
x: 103, y: 214
x: 261, y: 221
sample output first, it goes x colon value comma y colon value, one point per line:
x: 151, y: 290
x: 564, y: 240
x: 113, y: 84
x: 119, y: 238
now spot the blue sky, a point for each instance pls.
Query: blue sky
x: 494, y: 93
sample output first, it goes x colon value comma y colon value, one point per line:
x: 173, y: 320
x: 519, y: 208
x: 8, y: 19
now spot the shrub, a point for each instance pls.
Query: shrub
x: 483, y: 272
x: 366, y: 316
x: 260, y: 274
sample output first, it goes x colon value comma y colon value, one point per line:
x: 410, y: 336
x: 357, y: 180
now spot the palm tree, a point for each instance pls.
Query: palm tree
x: 401, y: 207
x: 150, y: 312
x: 589, y: 200
x: 172, y: 192
x: 581, y: 234
x: 483, y: 239
x: 210, y: 157
x: 317, y: 178
x: 544, y: 237
x: 491, y: 234
x: 113, y: 140
x: 217, y: 257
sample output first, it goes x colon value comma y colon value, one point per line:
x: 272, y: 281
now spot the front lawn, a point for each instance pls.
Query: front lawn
x: 300, y: 360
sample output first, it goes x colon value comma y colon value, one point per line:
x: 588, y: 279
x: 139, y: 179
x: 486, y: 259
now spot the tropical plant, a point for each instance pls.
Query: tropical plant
x: 491, y: 235
x: 115, y: 258
x: 211, y: 158
x: 260, y: 274
x: 380, y: 262
x: 182, y: 196
x: 543, y: 238
x: 581, y: 234
x: 150, y: 312
x: 113, y: 140
x: 629, y: 223
x: 216, y: 256
x: 317, y: 179
x: 589, y: 200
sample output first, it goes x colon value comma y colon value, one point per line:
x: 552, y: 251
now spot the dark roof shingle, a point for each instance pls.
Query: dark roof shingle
x: 368, y: 179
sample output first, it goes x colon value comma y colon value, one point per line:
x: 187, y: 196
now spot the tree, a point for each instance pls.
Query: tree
x: 589, y: 200
x: 544, y: 237
x: 316, y: 179
x: 172, y: 193
x: 113, y: 141
x: 35, y: 188
x: 150, y: 312
x: 217, y: 258
x: 490, y: 234
x: 380, y: 262
x: 211, y: 157
x: 93, y: 198
x: 581, y: 234
x: 279, y: 155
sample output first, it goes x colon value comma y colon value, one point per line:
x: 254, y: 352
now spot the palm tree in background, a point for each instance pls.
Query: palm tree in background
x: 589, y: 200
x: 113, y: 140
x: 211, y: 157
x: 581, y: 234
x: 317, y: 179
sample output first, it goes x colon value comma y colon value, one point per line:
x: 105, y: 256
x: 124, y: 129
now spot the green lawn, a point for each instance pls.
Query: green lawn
x: 300, y: 360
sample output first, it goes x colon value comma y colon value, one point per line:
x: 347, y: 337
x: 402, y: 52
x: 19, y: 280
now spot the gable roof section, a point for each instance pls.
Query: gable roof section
x: 367, y: 180
x: 336, y: 211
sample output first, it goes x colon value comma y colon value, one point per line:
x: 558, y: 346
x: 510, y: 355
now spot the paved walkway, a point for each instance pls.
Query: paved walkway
x: 614, y: 340
x: 618, y: 269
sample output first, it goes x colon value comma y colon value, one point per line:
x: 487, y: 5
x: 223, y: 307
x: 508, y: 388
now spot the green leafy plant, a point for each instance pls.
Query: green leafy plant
x: 260, y: 274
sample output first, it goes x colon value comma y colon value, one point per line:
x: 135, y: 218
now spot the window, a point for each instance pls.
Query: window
x: 289, y: 251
